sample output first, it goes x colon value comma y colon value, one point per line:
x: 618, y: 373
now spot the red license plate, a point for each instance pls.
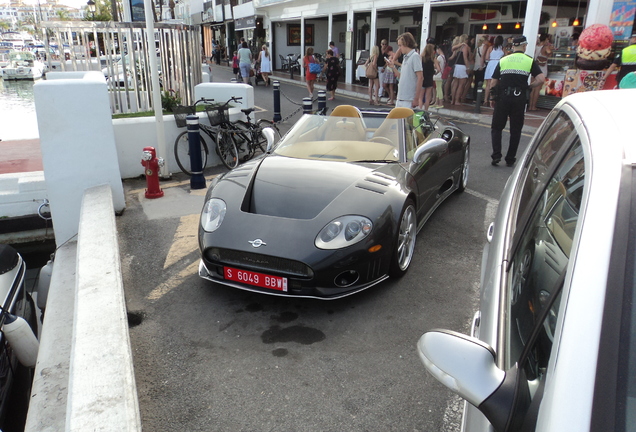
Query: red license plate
x: 257, y: 279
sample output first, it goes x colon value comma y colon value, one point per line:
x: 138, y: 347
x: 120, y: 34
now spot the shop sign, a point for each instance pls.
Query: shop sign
x: 245, y: 23
x: 622, y: 19
x: 482, y: 14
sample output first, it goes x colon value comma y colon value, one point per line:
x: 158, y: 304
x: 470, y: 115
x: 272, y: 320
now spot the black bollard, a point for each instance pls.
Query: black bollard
x: 480, y: 97
x: 307, y: 105
x: 277, y: 116
x: 197, y: 181
x: 322, y: 100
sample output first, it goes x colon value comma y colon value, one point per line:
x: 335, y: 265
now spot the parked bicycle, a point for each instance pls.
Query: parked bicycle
x: 252, y: 138
x: 219, y: 121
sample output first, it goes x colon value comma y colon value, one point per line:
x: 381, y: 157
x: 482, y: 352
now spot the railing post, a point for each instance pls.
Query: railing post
x: 480, y: 97
x: 307, y: 105
x: 277, y: 116
x: 197, y: 181
x: 322, y: 100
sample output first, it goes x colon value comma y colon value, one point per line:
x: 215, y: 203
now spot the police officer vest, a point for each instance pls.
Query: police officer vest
x: 516, y: 63
x: 628, y: 56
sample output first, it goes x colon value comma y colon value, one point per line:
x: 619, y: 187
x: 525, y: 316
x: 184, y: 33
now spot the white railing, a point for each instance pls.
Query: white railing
x: 121, y: 51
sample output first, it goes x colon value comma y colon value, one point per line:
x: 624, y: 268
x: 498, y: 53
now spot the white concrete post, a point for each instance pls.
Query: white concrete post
x: 78, y: 146
x: 599, y: 12
x: 302, y: 45
x: 531, y: 24
x: 374, y: 19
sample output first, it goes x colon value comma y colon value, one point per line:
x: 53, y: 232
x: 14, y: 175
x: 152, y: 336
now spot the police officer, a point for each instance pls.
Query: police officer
x: 626, y: 59
x: 511, y: 81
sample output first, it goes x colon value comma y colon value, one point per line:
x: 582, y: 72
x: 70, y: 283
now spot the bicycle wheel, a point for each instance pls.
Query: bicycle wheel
x: 243, y: 138
x: 182, y: 152
x: 262, y: 141
x: 226, y: 148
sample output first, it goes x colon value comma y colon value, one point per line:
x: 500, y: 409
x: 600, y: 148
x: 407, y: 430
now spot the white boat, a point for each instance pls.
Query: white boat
x: 23, y: 65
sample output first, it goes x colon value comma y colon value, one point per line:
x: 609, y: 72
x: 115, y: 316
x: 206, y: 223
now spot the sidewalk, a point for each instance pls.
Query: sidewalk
x: 464, y: 112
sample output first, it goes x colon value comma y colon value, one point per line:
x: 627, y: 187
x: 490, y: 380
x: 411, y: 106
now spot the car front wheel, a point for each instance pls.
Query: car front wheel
x: 405, y: 241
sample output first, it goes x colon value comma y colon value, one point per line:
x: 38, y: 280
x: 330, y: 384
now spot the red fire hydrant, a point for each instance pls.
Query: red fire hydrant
x: 152, y: 163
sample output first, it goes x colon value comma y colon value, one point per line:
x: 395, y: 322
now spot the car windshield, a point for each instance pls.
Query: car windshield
x: 345, y: 139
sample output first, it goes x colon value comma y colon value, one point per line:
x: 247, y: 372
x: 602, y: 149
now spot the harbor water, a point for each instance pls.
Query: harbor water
x: 17, y: 110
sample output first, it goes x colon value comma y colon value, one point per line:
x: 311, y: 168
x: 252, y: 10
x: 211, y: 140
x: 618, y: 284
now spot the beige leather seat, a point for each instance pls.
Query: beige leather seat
x: 345, y: 124
x: 388, y: 128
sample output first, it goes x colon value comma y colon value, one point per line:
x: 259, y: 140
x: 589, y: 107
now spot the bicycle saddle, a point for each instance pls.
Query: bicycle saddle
x: 247, y: 111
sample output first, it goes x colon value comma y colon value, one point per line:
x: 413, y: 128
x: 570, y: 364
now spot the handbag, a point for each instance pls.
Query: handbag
x: 314, y: 68
x: 371, y: 70
x: 446, y: 72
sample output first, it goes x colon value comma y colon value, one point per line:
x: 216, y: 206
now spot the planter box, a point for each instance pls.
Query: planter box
x: 133, y: 134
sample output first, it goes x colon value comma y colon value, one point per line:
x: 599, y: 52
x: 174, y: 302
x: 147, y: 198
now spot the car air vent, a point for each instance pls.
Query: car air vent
x: 375, y: 183
x: 240, y: 171
x: 447, y: 135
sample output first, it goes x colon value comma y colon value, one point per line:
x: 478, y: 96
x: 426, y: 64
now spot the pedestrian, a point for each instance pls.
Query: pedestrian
x: 460, y: 74
x: 215, y: 51
x: 409, y: 74
x: 430, y: 67
x: 470, y: 65
x: 438, y: 79
x: 266, y: 63
x: 310, y: 77
x: 479, y: 68
x: 493, y: 55
x: 511, y: 81
x: 388, y: 80
x: 371, y: 68
x: 332, y: 72
x: 626, y: 60
x: 334, y: 48
x: 245, y: 62
x: 381, y: 67
x: 447, y: 75
x: 542, y: 52
x: 235, y: 66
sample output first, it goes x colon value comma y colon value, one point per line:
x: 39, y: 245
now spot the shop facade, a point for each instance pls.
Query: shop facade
x: 290, y: 27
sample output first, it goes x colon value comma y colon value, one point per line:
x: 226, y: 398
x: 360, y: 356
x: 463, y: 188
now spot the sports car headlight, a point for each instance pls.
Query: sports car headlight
x: 212, y: 214
x: 343, y: 231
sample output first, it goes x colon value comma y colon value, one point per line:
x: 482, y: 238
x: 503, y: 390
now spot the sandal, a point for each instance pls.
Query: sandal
x: 370, y: 102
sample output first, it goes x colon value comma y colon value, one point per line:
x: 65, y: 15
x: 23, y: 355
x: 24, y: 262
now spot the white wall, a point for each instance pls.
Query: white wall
x: 78, y: 146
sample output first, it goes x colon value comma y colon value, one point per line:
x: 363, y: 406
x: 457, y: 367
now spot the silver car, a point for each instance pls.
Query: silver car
x: 553, y: 345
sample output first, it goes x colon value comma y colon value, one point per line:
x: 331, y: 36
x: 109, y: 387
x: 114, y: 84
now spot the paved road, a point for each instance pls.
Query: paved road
x: 213, y: 358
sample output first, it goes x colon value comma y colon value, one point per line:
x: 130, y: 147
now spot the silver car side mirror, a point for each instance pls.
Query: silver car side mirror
x: 462, y: 363
x: 270, y: 137
x: 436, y: 145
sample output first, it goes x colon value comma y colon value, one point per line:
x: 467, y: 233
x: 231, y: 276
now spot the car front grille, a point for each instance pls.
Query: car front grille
x: 258, y: 262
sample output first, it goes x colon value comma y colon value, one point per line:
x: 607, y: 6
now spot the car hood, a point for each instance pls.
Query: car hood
x: 301, y: 189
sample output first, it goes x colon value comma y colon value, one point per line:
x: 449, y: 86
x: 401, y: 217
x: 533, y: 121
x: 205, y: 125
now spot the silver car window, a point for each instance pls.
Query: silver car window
x: 543, y: 158
x: 540, y: 259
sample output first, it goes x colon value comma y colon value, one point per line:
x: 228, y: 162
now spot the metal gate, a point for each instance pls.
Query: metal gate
x: 120, y: 51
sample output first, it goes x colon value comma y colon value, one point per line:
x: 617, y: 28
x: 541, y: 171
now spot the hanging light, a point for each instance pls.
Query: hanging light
x: 485, y: 26
x: 576, y: 20
x: 556, y: 13
x: 498, y: 26
x: 518, y: 24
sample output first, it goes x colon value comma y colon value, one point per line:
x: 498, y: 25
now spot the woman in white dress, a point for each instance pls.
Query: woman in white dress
x: 266, y: 63
x: 495, y: 53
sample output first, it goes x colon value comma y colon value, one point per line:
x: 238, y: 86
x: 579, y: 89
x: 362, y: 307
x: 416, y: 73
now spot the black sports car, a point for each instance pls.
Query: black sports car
x: 335, y: 206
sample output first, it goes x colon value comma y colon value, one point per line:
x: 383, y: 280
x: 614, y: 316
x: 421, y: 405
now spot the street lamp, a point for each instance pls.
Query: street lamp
x: 91, y: 7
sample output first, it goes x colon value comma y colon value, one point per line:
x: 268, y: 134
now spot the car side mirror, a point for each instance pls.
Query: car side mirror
x: 270, y: 137
x: 436, y: 145
x: 462, y: 363
x: 467, y: 366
